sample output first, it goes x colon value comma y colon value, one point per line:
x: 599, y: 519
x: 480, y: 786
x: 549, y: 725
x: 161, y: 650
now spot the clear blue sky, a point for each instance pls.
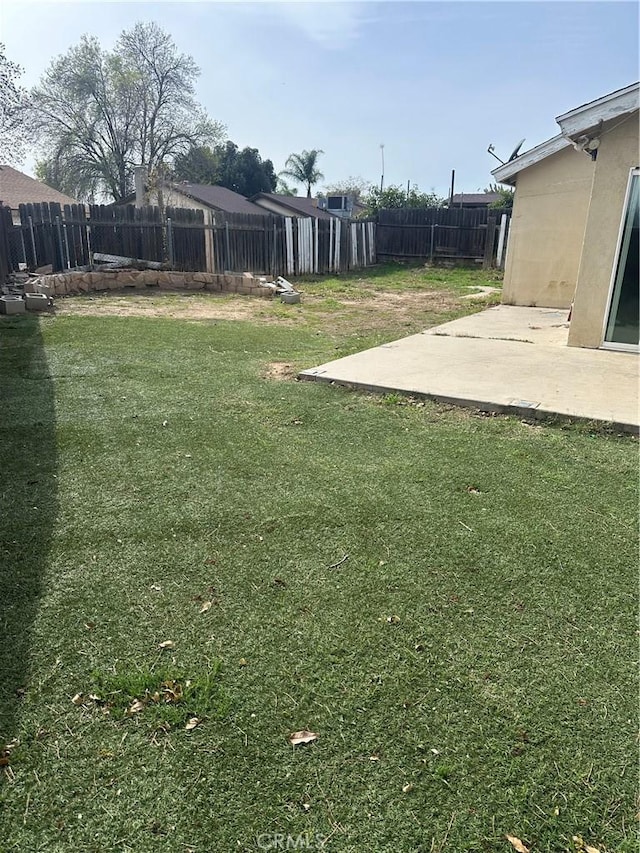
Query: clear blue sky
x: 435, y: 82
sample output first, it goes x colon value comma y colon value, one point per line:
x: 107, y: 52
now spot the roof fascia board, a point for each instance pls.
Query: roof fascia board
x: 611, y: 106
x: 504, y: 174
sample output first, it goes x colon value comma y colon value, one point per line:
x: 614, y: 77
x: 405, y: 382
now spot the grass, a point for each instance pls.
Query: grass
x: 399, y: 277
x: 447, y: 600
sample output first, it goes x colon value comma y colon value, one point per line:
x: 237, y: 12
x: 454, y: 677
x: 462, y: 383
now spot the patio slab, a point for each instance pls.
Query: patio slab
x: 505, y: 359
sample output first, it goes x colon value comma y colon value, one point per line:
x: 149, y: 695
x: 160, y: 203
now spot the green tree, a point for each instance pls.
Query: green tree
x: 198, y: 165
x: 396, y: 197
x: 13, y: 105
x: 283, y: 188
x: 100, y: 113
x: 243, y: 171
x: 506, y: 196
x: 303, y: 168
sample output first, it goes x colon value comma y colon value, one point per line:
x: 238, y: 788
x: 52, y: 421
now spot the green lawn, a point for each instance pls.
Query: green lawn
x: 447, y: 600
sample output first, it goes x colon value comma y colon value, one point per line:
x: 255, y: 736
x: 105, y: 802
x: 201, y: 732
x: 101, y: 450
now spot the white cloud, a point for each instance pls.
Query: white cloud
x: 332, y: 25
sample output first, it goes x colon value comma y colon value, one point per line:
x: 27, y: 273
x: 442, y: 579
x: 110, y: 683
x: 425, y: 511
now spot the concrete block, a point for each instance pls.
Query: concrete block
x: 12, y: 305
x: 43, y: 287
x: 290, y: 298
x: 36, y: 302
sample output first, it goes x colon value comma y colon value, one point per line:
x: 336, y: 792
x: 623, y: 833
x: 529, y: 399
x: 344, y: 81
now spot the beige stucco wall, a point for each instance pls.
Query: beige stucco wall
x: 617, y: 155
x: 173, y: 198
x: 547, y: 230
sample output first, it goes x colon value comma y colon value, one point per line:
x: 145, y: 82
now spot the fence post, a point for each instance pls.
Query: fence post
x: 60, y: 246
x: 503, y: 229
x: 433, y: 231
x: 33, y: 242
x: 170, y: 241
x: 487, y: 263
x: 208, y: 241
x: 274, y: 249
x: 227, y: 245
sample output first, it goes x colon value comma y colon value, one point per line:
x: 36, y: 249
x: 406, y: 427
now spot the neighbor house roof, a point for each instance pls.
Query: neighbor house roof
x: 298, y: 205
x: 479, y: 199
x: 218, y: 198
x: 16, y: 188
x: 577, y: 125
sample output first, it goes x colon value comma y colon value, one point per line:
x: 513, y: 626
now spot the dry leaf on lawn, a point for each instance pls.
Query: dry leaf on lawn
x: 517, y: 844
x: 582, y: 846
x: 303, y: 736
x: 192, y: 723
x: 78, y: 699
x: 406, y: 788
x: 167, y: 644
x: 393, y: 620
x: 206, y: 605
x: 135, y: 707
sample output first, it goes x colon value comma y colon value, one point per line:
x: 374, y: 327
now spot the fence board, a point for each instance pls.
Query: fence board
x: 266, y: 244
x: 434, y: 233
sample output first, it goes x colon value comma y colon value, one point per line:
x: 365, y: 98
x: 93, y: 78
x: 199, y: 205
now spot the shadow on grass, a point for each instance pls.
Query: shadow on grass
x: 28, y: 501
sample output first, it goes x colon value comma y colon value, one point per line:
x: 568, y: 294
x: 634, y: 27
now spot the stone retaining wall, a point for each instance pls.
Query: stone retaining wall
x: 72, y: 283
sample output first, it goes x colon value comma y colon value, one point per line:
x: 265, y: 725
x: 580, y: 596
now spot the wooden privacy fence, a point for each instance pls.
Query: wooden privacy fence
x: 187, y: 240
x: 443, y: 234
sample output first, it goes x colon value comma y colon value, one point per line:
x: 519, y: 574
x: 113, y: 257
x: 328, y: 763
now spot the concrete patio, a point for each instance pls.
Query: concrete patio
x: 505, y: 359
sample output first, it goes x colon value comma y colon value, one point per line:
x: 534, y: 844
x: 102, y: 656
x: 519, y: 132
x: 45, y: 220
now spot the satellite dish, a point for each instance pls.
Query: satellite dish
x: 516, y: 150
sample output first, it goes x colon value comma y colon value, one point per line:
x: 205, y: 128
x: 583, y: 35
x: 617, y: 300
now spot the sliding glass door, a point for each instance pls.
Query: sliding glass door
x: 622, y: 319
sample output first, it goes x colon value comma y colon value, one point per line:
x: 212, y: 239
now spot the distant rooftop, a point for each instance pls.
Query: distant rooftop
x: 475, y: 199
x: 301, y: 205
x: 218, y: 198
x: 16, y: 188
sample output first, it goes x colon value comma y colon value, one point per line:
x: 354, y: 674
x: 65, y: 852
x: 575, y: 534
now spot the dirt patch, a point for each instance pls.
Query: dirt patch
x: 177, y: 306
x: 394, y: 312
x: 279, y: 370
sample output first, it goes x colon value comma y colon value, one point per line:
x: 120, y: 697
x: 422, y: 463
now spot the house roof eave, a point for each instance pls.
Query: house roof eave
x: 507, y: 173
x: 589, y: 116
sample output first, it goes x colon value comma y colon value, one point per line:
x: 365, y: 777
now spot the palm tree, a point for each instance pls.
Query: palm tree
x: 303, y: 168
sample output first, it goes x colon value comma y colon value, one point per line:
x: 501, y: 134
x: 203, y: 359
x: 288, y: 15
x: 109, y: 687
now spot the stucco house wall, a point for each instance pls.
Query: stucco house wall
x: 173, y: 198
x: 617, y: 155
x: 547, y: 230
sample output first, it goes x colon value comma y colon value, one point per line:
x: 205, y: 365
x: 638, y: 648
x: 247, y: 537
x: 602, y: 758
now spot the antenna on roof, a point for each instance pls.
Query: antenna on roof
x: 491, y: 149
x: 516, y: 151
x: 513, y: 156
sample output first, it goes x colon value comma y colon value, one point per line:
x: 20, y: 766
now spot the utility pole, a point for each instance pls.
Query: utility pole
x: 382, y: 175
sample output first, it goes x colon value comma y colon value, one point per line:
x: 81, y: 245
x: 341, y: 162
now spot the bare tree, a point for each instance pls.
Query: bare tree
x: 13, y: 102
x: 99, y: 113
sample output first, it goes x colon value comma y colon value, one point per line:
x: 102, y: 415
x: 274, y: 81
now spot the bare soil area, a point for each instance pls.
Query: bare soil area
x: 405, y: 311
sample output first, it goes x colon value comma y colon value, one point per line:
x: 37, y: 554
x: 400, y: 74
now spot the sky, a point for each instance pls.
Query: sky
x: 433, y: 82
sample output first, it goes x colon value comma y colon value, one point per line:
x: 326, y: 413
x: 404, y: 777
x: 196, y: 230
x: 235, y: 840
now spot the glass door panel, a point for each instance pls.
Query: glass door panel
x: 622, y: 322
